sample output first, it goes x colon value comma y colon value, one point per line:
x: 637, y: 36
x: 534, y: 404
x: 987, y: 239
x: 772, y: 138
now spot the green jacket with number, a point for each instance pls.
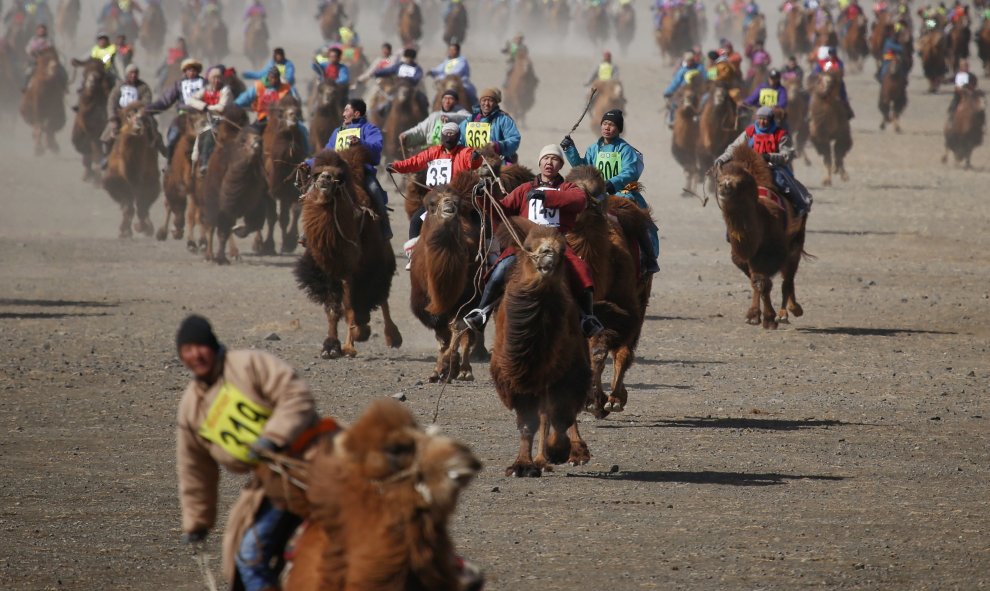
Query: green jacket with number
x: 267, y: 382
x: 630, y: 161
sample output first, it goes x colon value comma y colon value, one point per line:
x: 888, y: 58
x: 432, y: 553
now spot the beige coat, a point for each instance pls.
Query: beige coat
x: 264, y: 380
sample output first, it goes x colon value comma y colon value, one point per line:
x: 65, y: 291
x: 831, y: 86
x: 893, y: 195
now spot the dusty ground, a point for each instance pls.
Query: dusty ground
x: 847, y: 450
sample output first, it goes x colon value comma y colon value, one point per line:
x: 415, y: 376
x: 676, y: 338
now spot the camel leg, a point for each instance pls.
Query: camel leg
x: 221, y: 257
x: 622, y: 359
x: 331, y: 345
x: 39, y: 147
x: 162, y: 233
x: 290, y: 231
x: 842, y: 148
x: 442, y: 369
x: 284, y: 210
x: 527, y: 421
x: 764, y: 284
x: 580, y: 454
x: 393, y: 338
x: 208, y: 255
x: 52, y: 144
x: 788, y: 298
x: 464, y: 341
x: 540, y: 461
x: 753, y: 314
x: 595, y: 404
x: 192, y: 220
x: 128, y: 216
x: 353, y: 330
x: 232, y: 250
x: 143, y: 223
x: 827, y: 157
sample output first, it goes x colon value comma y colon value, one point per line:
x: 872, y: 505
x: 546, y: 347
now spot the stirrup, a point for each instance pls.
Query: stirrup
x: 477, y: 319
x: 590, y: 325
x: 408, y: 246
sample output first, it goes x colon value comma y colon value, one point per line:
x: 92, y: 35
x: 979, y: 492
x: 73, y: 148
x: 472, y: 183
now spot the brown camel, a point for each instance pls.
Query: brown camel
x: 179, y: 184
x: 605, y: 236
x: 764, y: 237
x: 348, y: 264
x: 718, y: 125
x: 331, y: 19
x: 410, y: 24
x: 558, y: 18
x: 381, y: 494
x: 596, y: 24
x: 931, y: 47
x: 893, y: 95
x: 132, y: 176
x: 793, y: 32
x: 285, y: 149
x: 608, y: 95
x: 983, y: 45
x: 855, y: 43
x: 625, y: 26
x: 957, y: 46
x: 256, y: 40
x: 965, y: 128
x: 444, y: 278
x: 91, y: 115
x: 520, y: 87
x: 236, y: 153
x: 43, y: 101
x: 209, y: 38
x: 540, y: 362
x: 676, y: 33
x: 407, y: 109
x: 450, y: 82
x: 325, y: 108
x: 756, y: 32
x: 797, y: 117
x: 684, y: 137
x: 152, y: 32
x: 829, y: 127
x: 879, y: 30
x: 455, y: 27
x: 67, y: 20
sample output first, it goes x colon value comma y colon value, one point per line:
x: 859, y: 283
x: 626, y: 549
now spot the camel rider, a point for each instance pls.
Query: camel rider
x: 690, y: 68
x: 751, y: 11
x: 213, y: 98
x: 128, y: 90
x: 442, y: 164
x: 173, y: 55
x: 620, y: 165
x: 828, y: 60
x: 774, y: 143
x: 105, y: 52
x: 758, y: 58
x: 286, y: 69
x: 255, y: 9
x: 455, y: 65
x: 385, y: 60
x: 427, y: 132
x: 123, y: 10
x: 180, y: 92
x: 892, y: 51
x: 488, y: 125
x: 769, y: 94
x: 125, y: 52
x: 547, y: 200
x: 35, y: 46
x: 356, y: 129
x: 605, y: 70
x: 734, y: 57
x: 329, y: 67
x: 512, y: 48
x: 793, y: 71
x: 964, y: 81
x: 265, y: 95
x: 406, y: 71
x: 449, y: 7
x: 239, y: 405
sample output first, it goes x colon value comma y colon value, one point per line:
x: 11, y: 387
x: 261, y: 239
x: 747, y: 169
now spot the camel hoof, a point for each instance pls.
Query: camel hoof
x: 331, y: 349
x: 826, y: 182
x: 599, y: 412
x: 349, y: 351
x: 177, y: 233
x: 615, y: 405
x: 434, y: 378
x: 520, y: 470
x: 221, y: 260
x: 126, y: 233
x: 161, y: 235
x: 289, y: 247
x: 770, y: 324
x: 945, y: 159
x: 393, y: 340
x: 782, y: 319
x: 796, y: 309
x: 361, y: 333
x: 192, y: 247
x: 466, y: 376
x: 844, y: 176
x: 753, y: 320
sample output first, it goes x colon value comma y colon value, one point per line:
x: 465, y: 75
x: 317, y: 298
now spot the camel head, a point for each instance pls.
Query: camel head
x: 329, y: 184
x: 493, y: 163
x: 589, y: 179
x: 249, y: 142
x: 134, y: 121
x: 326, y: 93
x: 545, y: 250
x: 404, y: 93
x: 289, y: 115
x: 443, y: 203
x: 719, y: 96
x: 446, y: 468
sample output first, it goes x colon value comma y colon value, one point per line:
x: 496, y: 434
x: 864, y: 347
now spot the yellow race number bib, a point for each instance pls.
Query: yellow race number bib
x: 234, y: 422
x: 768, y: 97
x: 344, y: 138
x: 609, y: 164
x: 478, y: 134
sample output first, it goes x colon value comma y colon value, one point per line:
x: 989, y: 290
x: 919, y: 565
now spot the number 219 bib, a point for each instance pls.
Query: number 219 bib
x: 234, y: 422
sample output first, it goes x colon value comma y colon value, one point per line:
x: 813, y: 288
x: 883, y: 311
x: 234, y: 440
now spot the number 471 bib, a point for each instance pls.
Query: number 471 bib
x: 234, y: 422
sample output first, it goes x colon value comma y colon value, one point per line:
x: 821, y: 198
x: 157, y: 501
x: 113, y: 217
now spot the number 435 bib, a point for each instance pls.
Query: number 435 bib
x: 234, y: 422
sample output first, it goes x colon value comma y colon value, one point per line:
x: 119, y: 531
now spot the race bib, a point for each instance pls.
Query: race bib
x: 128, y: 94
x: 234, y: 422
x: 609, y: 164
x: 477, y: 134
x: 962, y: 78
x: 407, y: 71
x: 545, y: 216
x: 768, y: 97
x: 190, y: 87
x: 439, y: 172
x: 344, y: 138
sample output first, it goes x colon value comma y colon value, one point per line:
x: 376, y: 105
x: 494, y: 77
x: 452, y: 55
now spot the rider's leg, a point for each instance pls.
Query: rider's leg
x: 492, y: 293
x: 379, y: 199
x: 264, y: 541
x: 583, y: 290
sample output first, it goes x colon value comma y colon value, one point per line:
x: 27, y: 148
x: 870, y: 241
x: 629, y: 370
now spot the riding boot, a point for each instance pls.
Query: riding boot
x: 379, y: 199
x: 647, y: 257
x: 590, y: 324
x: 478, y: 318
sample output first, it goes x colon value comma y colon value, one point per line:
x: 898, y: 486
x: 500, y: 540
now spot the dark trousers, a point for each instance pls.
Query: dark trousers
x: 379, y: 199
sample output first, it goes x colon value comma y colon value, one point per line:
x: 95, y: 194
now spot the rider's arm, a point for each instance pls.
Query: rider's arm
x: 144, y: 93
x: 290, y: 72
x: 416, y: 162
x: 389, y: 71
x: 511, y: 138
x: 198, y: 472
x: 113, y: 101
x: 675, y: 83
x: 729, y: 151
x: 416, y: 134
x: 569, y: 197
x: 293, y: 407
x: 343, y: 74
x: 168, y: 98
x: 514, y: 202
x: 246, y: 98
x: 258, y: 74
x: 225, y: 96
x: 371, y: 137
x: 782, y: 97
x: 196, y: 100
x: 574, y: 158
x: 754, y: 98
x: 784, y: 154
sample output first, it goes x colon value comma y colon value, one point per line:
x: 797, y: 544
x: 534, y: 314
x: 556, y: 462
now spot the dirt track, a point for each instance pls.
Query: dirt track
x: 849, y: 449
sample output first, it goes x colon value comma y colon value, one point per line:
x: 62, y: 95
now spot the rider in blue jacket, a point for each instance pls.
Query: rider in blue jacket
x: 620, y: 165
x: 285, y: 68
x: 490, y: 125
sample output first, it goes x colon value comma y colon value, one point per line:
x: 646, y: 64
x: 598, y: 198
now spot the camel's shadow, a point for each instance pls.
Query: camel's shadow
x: 705, y: 477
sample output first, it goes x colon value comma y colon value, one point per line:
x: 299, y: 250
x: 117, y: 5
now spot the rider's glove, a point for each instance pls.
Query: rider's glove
x: 610, y: 188
x: 261, y: 446
x: 566, y: 143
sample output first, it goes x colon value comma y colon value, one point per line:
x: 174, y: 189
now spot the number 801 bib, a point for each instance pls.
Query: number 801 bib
x: 234, y: 422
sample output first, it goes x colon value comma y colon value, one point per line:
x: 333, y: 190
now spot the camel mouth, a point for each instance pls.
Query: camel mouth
x: 546, y: 263
x: 447, y: 210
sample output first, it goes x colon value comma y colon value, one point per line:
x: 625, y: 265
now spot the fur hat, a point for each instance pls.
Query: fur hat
x: 130, y: 68
x: 450, y: 127
x: 551, y: 150
x: 615, y: 116
x: 450, y: 92
x: 191, y: 62
x: 764, y: 112
x: 492, y: 93
x: 196, y: 330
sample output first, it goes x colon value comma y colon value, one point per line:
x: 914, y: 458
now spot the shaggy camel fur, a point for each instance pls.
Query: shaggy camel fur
x: 829, y: 128
x: 43, y: 101
x: 180, y: 177
x: 91, y: 115
x: 520, y: 87
x: 132, y: 177
x: 965, y: 128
